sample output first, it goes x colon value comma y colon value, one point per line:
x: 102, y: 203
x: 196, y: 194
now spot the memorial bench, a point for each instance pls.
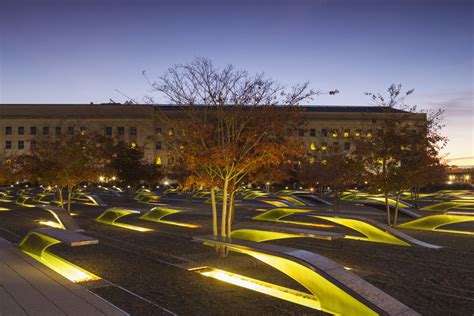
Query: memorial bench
x: 29, y: 288
x: 62, y: 216
x: 338, y: 291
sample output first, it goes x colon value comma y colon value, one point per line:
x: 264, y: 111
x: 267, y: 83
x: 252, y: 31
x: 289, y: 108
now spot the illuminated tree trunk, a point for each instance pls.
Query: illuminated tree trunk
x: 395, y: 218
x: 224, y: 208
x: 61, y: 199
x: 387, y: 207
x: 215, y: 228
x: 69, y: 195
x: 335, y: 201
x: 230, y: 215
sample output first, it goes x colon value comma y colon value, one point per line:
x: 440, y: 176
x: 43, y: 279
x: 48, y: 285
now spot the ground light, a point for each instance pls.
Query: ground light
x: 111, y: 215
x: 433, y: 222
x: 274, y: 290
x: 35, y: 245
x: 276, y: 215
x: 4, y: 209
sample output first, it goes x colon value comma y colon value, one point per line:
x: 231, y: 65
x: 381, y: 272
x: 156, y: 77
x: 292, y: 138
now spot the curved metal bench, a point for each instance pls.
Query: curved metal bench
x: 433, y: 222
x: 111, y: 215
x: 62, y: 216
x: 337, y: 290
x: 157, y: 214
x: 375, y: 231
x: 37, y: 241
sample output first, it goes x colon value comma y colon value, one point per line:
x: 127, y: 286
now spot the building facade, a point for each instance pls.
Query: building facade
x: 140, y: 124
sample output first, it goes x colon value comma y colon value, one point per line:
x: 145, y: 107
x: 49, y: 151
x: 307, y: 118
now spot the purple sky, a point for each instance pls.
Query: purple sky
x: 72, y: 51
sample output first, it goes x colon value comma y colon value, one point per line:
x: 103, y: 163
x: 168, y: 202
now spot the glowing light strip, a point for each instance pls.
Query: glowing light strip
x: 110, y: 216
x: 270, y: 289
x: 433, y: 222
x: 157, y: 214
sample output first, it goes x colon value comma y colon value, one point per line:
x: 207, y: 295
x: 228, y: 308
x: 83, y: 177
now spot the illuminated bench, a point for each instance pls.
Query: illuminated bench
x: 37, y: 241
x: 63, y: 218
x: 278, y: 215
x: 88, y: 199
x: 452, y: 205
x: 157, y: 214
x: 381, y: 206
x: 23, y: 199
x: 434, y: 222
x: 111, y: 215
x: 262, y: 232
x: 375, y: 231
x: 333, y: 289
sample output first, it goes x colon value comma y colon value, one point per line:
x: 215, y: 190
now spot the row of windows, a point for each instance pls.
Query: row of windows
x: 20, y: 145
x: 58, y: 130
x: 324, y: 146
x: 345, y: 132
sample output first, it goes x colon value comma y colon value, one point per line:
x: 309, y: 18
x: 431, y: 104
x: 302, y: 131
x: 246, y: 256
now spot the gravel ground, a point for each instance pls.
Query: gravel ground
x: 146, y: 271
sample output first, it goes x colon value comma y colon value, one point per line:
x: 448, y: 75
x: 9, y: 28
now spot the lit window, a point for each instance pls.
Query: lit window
x: 83, y: 130
x: 311, y: 160
x: 8, y: 130
x: 357, y: 133
x: 8, y: 144
x: 334, y: 133
x: 158, y: 160
x: 312, y: 132
x: 369, y: 133
x: 171, y: 131
x: 21, y: 144
x: 325, y: 162
x: 133, y: 145
x: 312, y: 146
x: 324, y: 146
x: 133, y: 131
x: 347, y: 133
x: 21, y: 130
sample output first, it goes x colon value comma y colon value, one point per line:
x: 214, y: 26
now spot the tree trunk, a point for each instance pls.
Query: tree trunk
x: 395, y: 217
x: 215, y: 228
x: 415, y: 202
x: 230, y: 215
x: 69, y: 195
x: 387, y: 207
x: 61, y: 199
x: 334, y: 207
x: 223, y: 250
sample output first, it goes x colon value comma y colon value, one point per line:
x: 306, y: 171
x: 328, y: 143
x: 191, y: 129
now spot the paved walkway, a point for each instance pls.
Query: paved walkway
x: 29, y: 288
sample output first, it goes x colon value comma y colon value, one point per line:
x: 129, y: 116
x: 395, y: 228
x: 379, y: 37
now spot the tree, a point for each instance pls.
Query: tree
x: 400, y: 149
x: 235, y: 124
x: 66, y: 161
x: 128, y: 164
x: 333, y: 167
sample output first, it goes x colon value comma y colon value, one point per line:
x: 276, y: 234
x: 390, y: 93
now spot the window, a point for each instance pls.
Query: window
x: 334, y: 133
x: 324, y: 132
x: 347, y: 146
x: 347, y: 133
x: 121, y: 131
x: 158, y: 131
x: 369, y: 133
x: 358, y: 133
x: 379, y: 132
x: 312, y: 146
x: 413, y: 132
x: 300, y: 132
x: 21, y: 130
x: 335, y: 145
x: 58, y: 130
x: 33, y: 130
x: 170, y: 131
x: 45, y: 130
x: 324, y: 146
x: 83, y: 130
x: 108, y: 131
x: 8, y: 144
x: 312, y: 160
x: 158, y: 145
x: 33, y: 144
x: 21, y: 144
x: 8, y: 130
x: 158, y: 161
x: 133, y: 145
x: 133, y: 131
x: 312, y: 132
x: 70, y: 130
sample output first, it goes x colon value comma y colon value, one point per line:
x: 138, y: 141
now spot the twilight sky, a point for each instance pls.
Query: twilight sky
x: 80, y: 51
